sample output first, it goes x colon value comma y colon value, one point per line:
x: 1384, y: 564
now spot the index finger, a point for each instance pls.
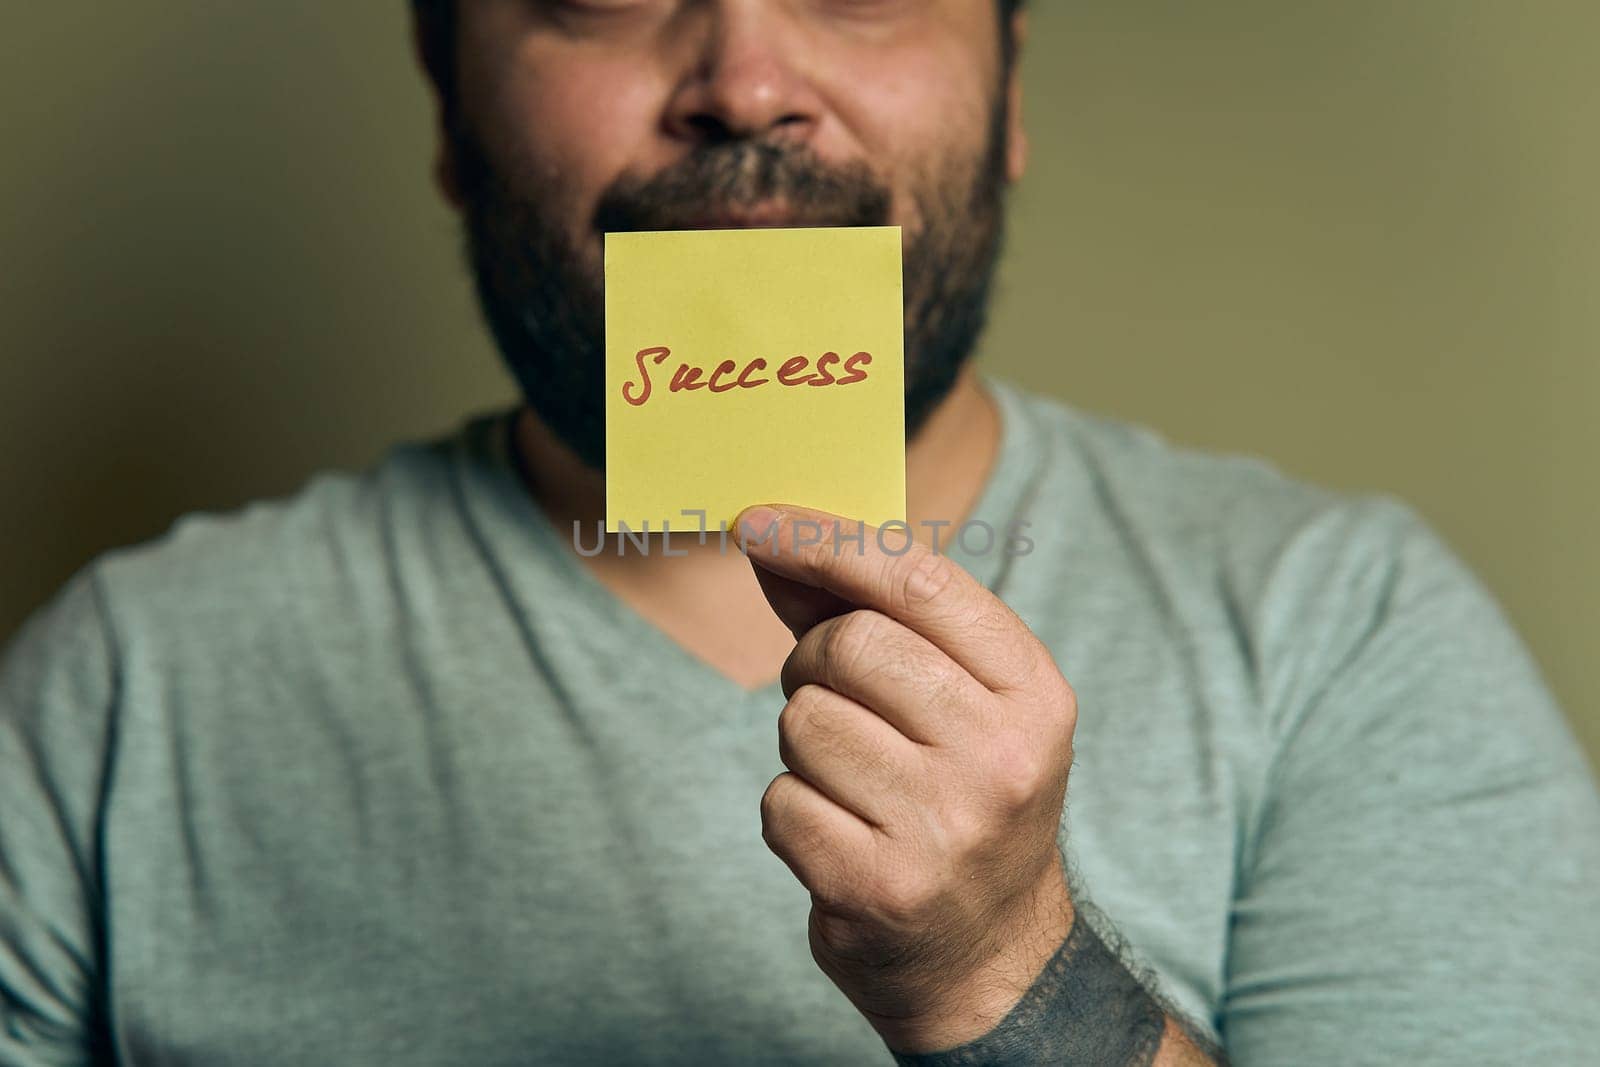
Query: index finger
x: 889, y: 572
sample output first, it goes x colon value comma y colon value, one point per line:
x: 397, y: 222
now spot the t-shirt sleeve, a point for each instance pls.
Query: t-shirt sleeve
x: 57, y: 685
x: 1421, y: 883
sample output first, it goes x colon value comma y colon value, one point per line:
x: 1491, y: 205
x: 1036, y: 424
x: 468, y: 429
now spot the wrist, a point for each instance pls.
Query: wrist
x: 1085, y: 1007
x: 978, y: 1001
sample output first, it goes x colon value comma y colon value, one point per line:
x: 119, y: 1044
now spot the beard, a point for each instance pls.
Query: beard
x: 543, y: 294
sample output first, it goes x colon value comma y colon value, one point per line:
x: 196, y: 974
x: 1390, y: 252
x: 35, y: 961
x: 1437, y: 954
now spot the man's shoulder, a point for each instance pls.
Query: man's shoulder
x: 225, y: 549
x: 287, y: 560
x: 1201, y: 499
x: 1208, y: 530
x: 1311, y: 583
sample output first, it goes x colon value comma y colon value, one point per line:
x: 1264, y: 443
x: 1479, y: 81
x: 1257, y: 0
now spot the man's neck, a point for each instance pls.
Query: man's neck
x: 947, y: 465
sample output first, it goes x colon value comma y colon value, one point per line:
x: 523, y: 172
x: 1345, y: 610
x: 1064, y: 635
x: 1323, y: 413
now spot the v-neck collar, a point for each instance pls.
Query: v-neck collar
x: 537, y: 565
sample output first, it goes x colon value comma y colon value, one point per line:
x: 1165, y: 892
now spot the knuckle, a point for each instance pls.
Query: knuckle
x: 944, y: 689
x: 995, y: 617
x: 773, y: 802
x: 1066, y: 704
x: 793, y: 717
x: 966, y: 830
x: 850, y: 640
x: 804, y: 722
x: 904, y: 898
x: 1048, y: 687
x: 1039, y: 661
x: 804, y: 662
x: 787, y: 829
x: 1020, y: 771
x: 921, y: 575
x: 1060, y: 708
x: 1066, y: 696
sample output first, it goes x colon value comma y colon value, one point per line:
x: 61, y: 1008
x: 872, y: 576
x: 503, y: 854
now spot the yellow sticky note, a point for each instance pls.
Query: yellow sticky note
x: 753, y: 366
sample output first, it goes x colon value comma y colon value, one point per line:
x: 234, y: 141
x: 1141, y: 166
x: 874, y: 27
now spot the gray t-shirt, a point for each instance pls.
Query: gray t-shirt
x: 378, y: 772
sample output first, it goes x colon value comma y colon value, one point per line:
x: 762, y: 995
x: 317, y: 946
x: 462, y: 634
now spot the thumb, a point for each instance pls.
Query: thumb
x: 799, y: 606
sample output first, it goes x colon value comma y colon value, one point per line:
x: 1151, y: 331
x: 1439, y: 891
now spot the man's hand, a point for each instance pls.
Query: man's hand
x: 928, y: 736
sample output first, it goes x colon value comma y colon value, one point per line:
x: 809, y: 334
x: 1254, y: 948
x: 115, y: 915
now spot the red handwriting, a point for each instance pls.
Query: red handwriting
x: 730, y: 375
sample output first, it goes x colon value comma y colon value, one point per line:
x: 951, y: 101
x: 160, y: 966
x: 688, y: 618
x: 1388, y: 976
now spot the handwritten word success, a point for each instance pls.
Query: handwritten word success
x: 828, y: 369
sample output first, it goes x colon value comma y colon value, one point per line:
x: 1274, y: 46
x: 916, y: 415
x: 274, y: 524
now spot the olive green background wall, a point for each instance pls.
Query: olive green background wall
x: 1359, y: 238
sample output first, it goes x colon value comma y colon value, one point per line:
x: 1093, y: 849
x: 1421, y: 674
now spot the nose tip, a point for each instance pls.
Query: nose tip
x: 745, y: 85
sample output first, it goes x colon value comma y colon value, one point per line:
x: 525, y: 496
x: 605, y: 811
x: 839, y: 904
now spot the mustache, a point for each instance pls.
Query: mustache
x: 740, y: 176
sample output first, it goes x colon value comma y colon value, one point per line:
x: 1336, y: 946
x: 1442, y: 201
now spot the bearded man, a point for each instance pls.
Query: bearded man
x: 386, y: 772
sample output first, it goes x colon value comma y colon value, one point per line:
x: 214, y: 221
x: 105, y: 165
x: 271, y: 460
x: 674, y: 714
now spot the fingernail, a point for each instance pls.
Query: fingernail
x: 755, y: 522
